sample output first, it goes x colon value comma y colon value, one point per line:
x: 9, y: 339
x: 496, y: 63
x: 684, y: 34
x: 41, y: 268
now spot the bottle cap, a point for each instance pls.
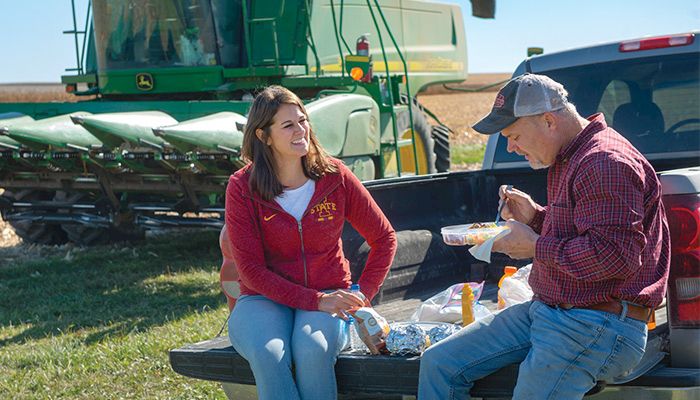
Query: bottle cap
x: 355, y: 287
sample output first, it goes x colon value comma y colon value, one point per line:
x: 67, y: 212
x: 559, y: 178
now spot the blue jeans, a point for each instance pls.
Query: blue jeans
x: 562, y: 353
x: 283, y: 343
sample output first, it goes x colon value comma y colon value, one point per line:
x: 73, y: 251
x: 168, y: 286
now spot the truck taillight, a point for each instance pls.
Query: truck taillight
x: 658, y: 42
x: 683, y: 213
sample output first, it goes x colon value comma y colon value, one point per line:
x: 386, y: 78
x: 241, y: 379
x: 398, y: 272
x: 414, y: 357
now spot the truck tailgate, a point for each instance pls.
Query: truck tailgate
x: 216, y: 360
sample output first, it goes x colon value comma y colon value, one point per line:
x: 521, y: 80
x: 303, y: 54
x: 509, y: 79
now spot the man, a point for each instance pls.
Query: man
x: 600, y: 253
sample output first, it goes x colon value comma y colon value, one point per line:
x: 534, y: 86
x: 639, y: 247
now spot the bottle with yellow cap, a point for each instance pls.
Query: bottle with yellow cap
x: 467, y: 305
x: 507, y: 271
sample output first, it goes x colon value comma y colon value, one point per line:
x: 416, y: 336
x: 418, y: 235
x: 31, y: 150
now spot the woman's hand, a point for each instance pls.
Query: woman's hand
x: 519, y: 205
x: 338, y: 302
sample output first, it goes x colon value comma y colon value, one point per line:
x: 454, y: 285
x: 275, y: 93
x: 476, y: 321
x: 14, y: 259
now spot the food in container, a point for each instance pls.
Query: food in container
x: 471, y: 234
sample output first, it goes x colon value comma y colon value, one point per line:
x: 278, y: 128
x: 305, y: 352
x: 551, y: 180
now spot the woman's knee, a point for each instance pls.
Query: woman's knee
x: 314, y: 350
x: 313, y: 354
x: 273, y: 354
x: 317, y: 337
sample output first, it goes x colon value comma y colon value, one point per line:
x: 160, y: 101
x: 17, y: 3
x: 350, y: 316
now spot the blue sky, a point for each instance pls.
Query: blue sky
x: 34, y: 50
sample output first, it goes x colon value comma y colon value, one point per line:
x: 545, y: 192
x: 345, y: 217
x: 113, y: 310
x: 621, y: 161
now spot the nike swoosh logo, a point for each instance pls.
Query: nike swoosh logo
x: 269, y: 217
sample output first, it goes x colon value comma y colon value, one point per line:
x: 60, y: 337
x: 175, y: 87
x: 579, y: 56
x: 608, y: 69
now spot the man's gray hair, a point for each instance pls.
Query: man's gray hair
x: 568, y: 109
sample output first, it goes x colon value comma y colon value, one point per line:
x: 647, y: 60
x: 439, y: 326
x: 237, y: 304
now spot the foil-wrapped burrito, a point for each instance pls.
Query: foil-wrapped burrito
x: 442, y: 331
x: 408, y: 338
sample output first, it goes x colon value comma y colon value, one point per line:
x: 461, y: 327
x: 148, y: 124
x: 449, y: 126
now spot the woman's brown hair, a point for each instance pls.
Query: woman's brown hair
x: 263, y: 177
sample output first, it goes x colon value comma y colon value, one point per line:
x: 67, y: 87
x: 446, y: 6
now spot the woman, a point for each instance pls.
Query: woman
x: 285, y: 212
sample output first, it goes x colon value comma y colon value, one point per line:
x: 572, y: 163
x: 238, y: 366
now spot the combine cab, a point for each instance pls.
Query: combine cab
x: 164, y: 88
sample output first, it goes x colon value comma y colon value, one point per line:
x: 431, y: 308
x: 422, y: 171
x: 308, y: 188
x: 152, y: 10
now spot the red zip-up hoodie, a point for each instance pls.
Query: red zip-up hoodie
x: 291, y: 262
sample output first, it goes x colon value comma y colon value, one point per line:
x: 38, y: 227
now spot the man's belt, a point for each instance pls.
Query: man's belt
x: 634, y: 311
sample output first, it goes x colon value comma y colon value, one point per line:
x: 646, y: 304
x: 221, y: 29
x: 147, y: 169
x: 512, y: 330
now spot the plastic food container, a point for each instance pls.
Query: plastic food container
x: 471, y: 234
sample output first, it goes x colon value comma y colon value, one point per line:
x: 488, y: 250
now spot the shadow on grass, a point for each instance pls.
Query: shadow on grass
x: 111, y: 290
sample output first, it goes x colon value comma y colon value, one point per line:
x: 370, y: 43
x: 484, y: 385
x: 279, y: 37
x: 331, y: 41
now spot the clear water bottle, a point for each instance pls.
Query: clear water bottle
x: 356, y: 344
x: 355, y: 289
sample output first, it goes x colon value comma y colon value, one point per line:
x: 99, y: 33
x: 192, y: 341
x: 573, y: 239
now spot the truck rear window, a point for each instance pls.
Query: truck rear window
x: 654, y: 102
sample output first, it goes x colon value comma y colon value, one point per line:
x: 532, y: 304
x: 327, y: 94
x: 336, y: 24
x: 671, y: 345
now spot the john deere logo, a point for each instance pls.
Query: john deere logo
x: 144, y: 81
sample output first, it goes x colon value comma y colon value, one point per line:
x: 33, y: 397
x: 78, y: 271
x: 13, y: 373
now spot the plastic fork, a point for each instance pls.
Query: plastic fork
x: 500, y: 208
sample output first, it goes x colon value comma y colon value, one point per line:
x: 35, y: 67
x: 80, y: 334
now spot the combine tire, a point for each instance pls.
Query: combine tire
x: 36, y: 232
x: 434, y: 142
x: 424, y: 142
x: 441, y: 137
x: 86, y: 235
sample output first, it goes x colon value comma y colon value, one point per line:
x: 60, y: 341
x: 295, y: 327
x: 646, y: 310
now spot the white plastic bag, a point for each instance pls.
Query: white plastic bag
x: 446, y: 306
x: 515, y: 288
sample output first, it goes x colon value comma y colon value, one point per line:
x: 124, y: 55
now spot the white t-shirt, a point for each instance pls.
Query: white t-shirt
x: 295, y: 201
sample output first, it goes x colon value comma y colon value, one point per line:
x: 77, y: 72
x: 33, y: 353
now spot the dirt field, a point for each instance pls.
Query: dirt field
x: 457, y: 110
x: 34, y: 93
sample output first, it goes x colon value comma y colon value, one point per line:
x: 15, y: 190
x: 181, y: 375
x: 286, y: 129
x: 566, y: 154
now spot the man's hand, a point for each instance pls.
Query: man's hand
x: 519, y: 205
x: 338, y: 302
x: 519, y: 243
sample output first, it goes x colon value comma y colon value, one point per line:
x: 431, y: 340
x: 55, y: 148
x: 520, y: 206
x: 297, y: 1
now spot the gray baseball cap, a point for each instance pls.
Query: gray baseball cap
x: 522, y: 96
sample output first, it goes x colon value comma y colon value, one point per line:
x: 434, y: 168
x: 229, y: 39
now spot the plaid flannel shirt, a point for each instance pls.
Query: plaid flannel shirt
x: 604, y: 233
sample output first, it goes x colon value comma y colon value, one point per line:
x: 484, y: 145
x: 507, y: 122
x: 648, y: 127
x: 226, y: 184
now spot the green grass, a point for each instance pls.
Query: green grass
x: 467, y: 154
x: 101, y: 324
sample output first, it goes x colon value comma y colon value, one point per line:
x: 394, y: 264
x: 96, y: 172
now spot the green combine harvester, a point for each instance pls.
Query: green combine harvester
x: 163, y: 88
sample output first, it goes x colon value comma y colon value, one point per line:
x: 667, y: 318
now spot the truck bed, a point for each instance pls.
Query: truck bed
x: 385, y: 376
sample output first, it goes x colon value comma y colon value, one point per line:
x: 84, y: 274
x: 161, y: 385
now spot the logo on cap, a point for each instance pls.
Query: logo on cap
x: 500, y: 101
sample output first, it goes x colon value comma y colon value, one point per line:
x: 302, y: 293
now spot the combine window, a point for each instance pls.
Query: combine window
x: 155, y: 33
